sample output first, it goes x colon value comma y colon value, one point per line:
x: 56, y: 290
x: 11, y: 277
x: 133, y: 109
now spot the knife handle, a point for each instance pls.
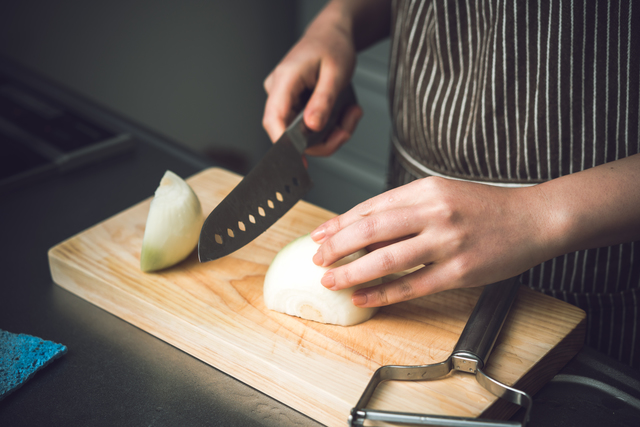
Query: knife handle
x: 486, y: 320
x: 303, y: 137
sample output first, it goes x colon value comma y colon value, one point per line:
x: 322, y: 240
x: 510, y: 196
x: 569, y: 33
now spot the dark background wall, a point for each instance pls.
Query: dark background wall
x: 193, y: 71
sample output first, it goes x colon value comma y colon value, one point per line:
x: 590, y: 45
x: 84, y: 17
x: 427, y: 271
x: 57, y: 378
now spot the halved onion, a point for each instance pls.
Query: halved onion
x: 173, y: 225
x: 292, y: 286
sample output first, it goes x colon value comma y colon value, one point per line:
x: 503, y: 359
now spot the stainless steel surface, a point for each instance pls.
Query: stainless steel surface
x: 403, y: 373
x: 470, y: 354
x: 510, y: 394
x: 269, y: 191
x: 116, y: 374
x: 430, y: 420
x: 486, y: 320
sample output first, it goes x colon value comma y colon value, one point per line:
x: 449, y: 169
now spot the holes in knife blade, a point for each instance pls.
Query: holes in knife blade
x: 279, y: 196
x: 252, y: 219
x: 295, y: 181
x: 287, y: 189
x: 261, y: 211
x: 241, y: 226
x: 270, y: 204
x: 230, y: 232
x: 218, y: 239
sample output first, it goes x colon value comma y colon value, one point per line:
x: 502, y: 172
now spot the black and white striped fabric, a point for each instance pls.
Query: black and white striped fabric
x: 516, y: 93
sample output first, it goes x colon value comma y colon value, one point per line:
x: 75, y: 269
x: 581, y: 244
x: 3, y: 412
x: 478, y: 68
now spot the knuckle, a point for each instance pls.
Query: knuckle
x: 446, y: 211
x: 365, y: 208
x: 436, y: 182
x: 459, y: 269
x: 337, y: 224
x: 346, y: 276
x: 405, y: 290
x: 368, y: 227
x: 329, y: 249
x: 333, y: 225
x: 386, y: 261
x: 381, y: 296
x: 266, y: 120
x: 328, y: 62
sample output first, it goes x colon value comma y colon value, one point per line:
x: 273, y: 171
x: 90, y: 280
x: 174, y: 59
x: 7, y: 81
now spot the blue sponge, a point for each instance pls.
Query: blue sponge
x: 21, y: 356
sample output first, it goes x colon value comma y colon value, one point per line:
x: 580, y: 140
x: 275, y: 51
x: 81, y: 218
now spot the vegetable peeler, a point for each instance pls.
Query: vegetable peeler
x: 470, y: 355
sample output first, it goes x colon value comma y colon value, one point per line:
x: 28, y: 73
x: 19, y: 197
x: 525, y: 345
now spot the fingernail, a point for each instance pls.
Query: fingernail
x: 317, y: 258
x: 318, y: 234
x: 359, y: 298
x: 328, y: 281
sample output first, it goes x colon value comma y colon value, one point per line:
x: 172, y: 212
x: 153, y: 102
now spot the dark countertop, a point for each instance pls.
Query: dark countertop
x: 116, y: 374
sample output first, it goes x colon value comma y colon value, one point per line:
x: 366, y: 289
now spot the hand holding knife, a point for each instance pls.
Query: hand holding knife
x: 269, y: 190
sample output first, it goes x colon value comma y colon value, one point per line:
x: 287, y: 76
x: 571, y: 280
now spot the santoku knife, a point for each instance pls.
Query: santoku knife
x: 269, y: 190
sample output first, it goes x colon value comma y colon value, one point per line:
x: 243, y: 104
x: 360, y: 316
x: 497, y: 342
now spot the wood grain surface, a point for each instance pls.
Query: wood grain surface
x: 215, y: 312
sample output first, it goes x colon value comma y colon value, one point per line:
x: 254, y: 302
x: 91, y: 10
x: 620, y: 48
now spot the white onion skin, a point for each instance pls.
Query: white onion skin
x: 292, y: 286
x: 173, y: 224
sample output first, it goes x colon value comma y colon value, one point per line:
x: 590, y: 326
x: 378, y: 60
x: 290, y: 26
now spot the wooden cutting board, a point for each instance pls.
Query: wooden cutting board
x: 215, y: 312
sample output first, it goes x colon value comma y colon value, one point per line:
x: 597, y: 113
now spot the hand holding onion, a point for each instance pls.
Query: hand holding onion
x: 292, y: 286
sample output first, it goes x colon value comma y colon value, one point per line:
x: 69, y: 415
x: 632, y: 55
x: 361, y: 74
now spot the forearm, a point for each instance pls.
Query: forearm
x: 594, y: 208
x: 366, y: 21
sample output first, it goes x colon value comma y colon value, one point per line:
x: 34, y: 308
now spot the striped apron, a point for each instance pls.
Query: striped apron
x: 516, y: 93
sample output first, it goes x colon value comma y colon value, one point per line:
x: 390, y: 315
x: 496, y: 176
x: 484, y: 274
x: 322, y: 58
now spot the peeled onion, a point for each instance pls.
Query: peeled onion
x: 292, y: 286
x: 173, y: 225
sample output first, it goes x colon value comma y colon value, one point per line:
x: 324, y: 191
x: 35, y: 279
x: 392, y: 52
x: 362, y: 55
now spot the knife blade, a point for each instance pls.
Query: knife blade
x: 269, y: 190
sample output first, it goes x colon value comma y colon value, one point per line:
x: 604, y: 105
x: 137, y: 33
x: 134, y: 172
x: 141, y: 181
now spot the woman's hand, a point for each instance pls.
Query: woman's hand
x: 462, y: 234
x: 466, y: 234
x: 322, y: 61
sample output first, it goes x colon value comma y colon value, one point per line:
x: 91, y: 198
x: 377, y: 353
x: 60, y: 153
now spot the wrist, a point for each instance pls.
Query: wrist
x: 547, y: 221
x: 363, y: 22
x: 336, y: 15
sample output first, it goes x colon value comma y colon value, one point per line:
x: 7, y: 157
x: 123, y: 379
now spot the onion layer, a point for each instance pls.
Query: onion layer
x: 292, y: 286
x: 173, y: 225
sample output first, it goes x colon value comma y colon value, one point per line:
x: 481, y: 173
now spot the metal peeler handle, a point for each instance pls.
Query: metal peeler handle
x: 470, y: 355
x: 484, y: 325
